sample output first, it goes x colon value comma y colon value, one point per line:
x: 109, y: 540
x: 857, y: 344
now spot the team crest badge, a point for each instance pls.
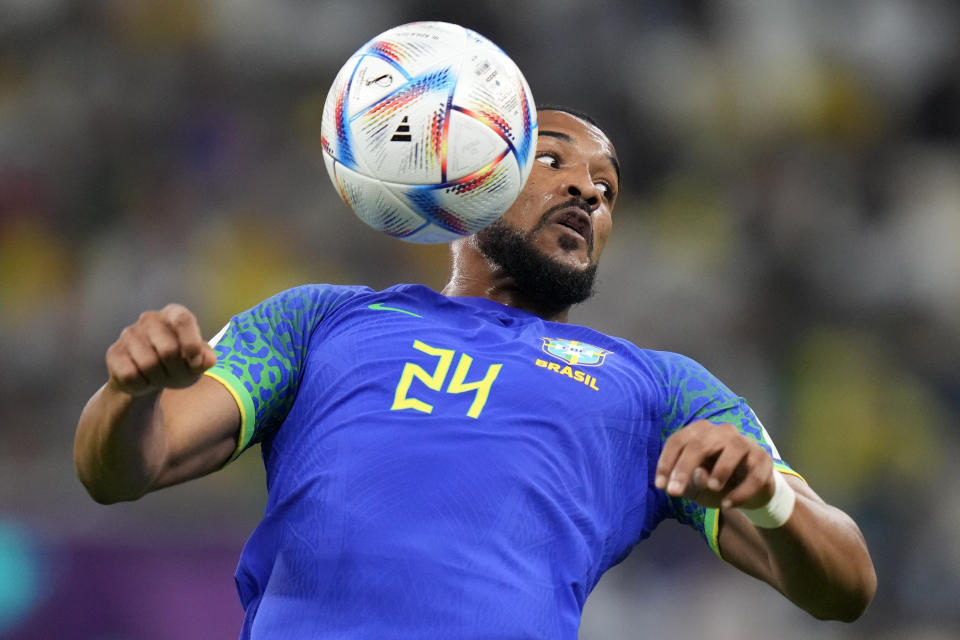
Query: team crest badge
x: 574, y: 352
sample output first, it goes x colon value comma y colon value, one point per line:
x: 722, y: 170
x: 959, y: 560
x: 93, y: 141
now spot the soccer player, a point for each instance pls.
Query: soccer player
x: 463, y: 464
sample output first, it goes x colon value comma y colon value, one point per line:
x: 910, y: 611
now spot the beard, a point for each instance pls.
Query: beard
x: 547, y: 283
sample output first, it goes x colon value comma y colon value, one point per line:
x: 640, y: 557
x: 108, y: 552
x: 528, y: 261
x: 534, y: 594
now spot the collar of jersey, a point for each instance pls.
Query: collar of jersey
x: 476, y: 302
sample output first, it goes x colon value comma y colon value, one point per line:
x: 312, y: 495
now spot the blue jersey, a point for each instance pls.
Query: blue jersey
x: 448, y: 467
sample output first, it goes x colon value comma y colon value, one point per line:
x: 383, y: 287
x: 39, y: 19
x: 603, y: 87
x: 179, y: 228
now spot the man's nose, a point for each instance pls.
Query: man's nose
x: 585, y: 190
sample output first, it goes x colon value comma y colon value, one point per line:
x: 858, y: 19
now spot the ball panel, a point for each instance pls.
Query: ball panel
x: 528, y: 125
x: 490, y: 90
x: 431, y: 234
x: 500, y: 95
x: 335, y: 134
x: 425, y: 201
x: 483, y: 196
x: 374, y: 203
x: 471, y: 145
x: 464, y: 206
x: 417, y: 46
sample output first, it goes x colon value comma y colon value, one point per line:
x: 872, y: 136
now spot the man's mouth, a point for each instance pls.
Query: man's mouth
x: 577, y: 220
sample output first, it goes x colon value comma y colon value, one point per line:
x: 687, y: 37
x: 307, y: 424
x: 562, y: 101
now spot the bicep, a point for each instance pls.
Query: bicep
x: 740, y: 542
x: 202, y: 424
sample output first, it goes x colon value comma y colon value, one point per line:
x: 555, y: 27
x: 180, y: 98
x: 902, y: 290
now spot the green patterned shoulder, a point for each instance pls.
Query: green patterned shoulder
x: 261, y: 351
x: 691, y: 393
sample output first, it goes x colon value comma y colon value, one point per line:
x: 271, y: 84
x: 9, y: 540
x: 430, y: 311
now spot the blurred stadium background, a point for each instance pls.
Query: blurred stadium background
x: 790, y: 217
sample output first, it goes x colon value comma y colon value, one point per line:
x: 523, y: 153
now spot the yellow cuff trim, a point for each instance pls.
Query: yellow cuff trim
x: 782, y: 468
x: 244, y: 402
x: 711, y: 526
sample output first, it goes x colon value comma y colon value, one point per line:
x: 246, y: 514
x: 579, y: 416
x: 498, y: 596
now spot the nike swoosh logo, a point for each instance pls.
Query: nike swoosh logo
x: 378, y: 306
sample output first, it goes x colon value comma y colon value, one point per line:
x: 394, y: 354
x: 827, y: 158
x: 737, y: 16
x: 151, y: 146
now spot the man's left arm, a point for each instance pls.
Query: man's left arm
x: 816, y: 557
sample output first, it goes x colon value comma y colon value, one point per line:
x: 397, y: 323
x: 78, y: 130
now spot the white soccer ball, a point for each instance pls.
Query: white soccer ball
x: 429, y: 132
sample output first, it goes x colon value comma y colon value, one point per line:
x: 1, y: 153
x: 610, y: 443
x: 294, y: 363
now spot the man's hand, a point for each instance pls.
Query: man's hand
x: 715, y: 466
x: 163, y: 349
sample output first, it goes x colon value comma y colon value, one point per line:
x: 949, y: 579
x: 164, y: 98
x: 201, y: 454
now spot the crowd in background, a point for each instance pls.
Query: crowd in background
x: 789, y: 216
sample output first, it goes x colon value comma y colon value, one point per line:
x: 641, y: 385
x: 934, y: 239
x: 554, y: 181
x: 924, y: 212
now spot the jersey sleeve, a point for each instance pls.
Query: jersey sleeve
x: 693, y: 393
x: 261, y: 351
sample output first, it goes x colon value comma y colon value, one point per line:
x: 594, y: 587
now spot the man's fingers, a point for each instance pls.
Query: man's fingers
x: 162, y: 349
x: 698, y: 487
x: 757, y: 486
x: 683, y: 452
x: 750, y: 485
x: 672, y: 449
x: 168, y: 350
x: 175, y: 335
x: 196, y: 358
x: 144, y: 356
x: 200, y: 357
x: 697, y: 454
x: 194, y: 350
x: 209, y: 357
x: 124, y: 373
x: 725, y: 465
x: 165, y: 366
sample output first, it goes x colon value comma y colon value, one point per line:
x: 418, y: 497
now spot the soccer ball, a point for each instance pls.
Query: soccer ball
x: 429, y: 132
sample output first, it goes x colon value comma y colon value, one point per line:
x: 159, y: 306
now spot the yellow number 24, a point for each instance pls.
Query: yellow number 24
x: 458, y: 383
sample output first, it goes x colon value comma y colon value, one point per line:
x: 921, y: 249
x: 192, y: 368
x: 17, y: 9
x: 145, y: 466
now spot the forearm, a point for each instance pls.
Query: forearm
x: 159, y: 420
x: 120, y: 444
x: 818, y: 558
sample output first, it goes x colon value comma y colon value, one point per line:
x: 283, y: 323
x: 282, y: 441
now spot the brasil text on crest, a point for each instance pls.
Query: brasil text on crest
x: 573, y: 352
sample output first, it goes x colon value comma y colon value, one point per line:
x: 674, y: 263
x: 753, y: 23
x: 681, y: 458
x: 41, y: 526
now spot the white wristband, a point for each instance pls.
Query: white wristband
x: 775, y: 513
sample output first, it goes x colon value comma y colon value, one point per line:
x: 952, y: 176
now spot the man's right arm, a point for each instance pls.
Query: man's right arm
x: 158, y: 420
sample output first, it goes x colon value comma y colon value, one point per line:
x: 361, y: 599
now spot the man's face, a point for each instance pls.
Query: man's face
x: 561, y: 220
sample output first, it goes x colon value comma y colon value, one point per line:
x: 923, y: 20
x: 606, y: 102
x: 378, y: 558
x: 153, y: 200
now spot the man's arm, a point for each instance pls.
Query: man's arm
x: 158, y: 420
x: 817, y: 558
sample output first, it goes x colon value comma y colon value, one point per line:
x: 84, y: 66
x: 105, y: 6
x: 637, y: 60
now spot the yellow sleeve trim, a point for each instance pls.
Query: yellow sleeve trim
x: 782, y: 468
x: 711, y: 526
x: 244, y: 402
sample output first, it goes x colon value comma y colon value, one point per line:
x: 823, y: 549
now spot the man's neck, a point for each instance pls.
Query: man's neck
x: 473, y: 275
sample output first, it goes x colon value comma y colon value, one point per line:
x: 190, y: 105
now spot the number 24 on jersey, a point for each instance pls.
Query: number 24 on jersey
x: 435, y: 381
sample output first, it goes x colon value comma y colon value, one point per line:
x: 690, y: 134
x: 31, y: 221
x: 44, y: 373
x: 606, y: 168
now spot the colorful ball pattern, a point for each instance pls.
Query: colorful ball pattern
x: 429, y: 132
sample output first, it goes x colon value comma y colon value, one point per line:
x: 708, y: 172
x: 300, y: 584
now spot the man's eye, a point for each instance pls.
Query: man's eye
x: 548, y: 159
x: 604, y: 188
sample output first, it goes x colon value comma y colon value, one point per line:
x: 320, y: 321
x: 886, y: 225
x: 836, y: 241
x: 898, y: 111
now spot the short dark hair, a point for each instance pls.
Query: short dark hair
x: 586, y: 117
x: 576, y: 113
